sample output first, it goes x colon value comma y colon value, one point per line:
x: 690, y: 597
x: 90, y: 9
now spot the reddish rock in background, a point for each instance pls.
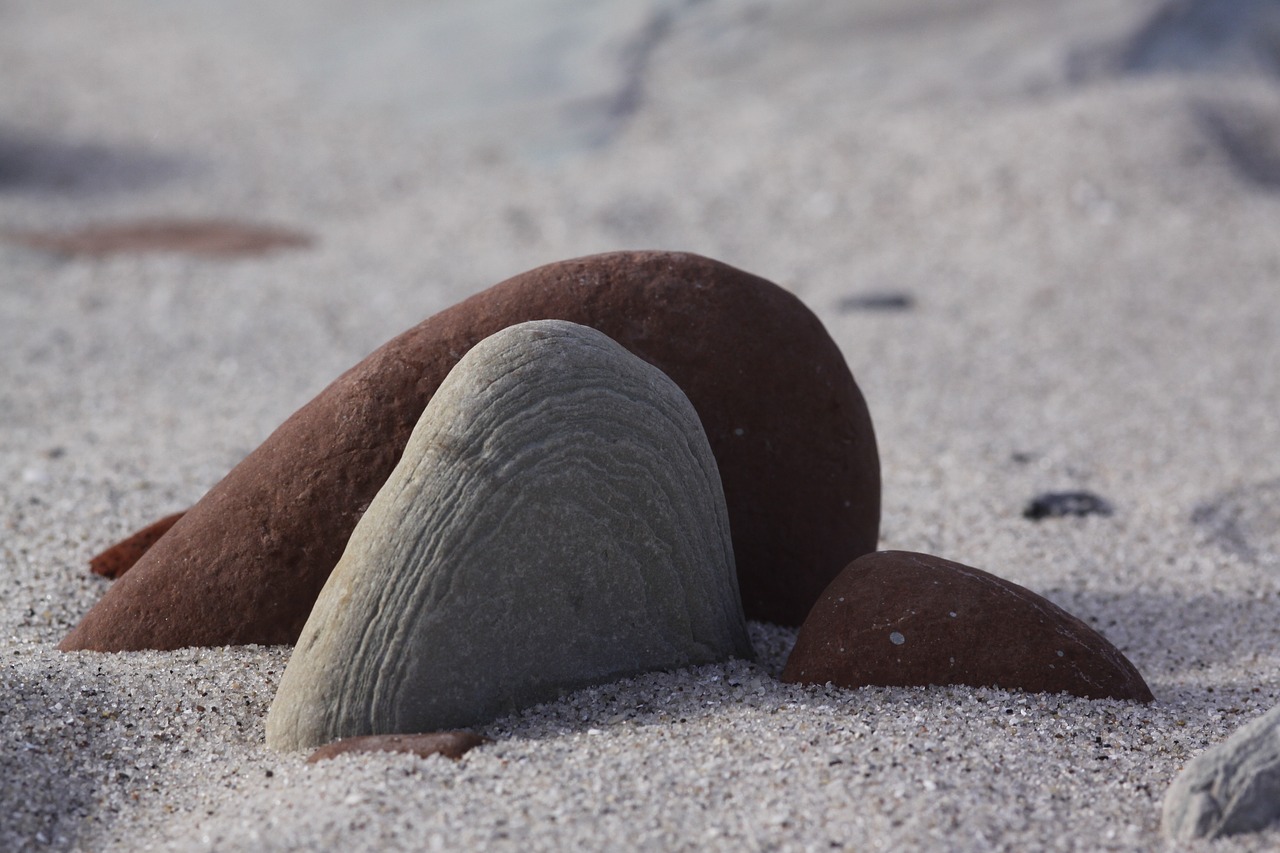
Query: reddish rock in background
x: 895, y: 618
x: 787, y: 424
x: 209, y: 237
x: 120, y: 557
x: 452, y: 744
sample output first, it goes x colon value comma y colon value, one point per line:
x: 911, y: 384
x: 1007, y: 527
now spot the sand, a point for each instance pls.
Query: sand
x: 1080, y: 202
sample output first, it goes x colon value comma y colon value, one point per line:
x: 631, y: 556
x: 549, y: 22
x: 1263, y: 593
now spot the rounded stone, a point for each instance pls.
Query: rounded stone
x: 556, y: 521
x: 1232, y: 787
x: 787, y: 424
x: 896, y: 618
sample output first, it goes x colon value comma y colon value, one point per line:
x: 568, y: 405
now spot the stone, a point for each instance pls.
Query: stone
x: 452, y: 744
x: 1063, y: 504
x: 120, y: 557
x: 875, y: 301
x: 897, y: 618
x: 213, y: 238
x: 1230, y: 788
x: 789, y: 428
x: 556, y: 521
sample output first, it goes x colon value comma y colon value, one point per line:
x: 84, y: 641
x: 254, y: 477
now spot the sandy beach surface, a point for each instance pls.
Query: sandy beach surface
x: 1073, y: 207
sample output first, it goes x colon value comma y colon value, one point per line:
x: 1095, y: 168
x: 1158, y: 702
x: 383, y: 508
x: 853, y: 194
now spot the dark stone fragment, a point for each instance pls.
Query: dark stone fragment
x: 786, y: 422
x: 896, y: 618
x: 212, y: 238
x: 875, y: 302
x: 120, y: 557
x: 453, y: 744
x: 1062, y: 504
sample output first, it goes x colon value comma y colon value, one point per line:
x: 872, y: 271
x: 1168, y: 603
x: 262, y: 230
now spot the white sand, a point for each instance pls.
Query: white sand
x: 1093, y: 259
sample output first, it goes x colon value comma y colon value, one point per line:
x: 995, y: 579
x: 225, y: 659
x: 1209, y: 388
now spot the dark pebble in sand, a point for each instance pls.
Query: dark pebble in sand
x: 452, y: 744
x: 211, y: 238
x: 1062, y: 504
x: 875, y: 302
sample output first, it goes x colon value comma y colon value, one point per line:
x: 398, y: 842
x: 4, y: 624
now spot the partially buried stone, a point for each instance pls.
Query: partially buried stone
x: 1230, y: 788
x: 556, y: 521
x: 453, y: 745
x: 896, y: 618
x: 120, y: 557
x: 788, y: 426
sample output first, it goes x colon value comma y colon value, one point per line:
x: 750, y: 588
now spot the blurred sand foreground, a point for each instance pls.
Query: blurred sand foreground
x: 1073, y: 205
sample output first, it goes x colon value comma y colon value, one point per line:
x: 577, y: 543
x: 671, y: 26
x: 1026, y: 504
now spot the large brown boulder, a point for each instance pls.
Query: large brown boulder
x: 900, y: 619
x: 786, y: 422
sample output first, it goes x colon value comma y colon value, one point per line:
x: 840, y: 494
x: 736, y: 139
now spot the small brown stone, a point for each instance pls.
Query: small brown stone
x: 210, y: 237
x: 117, y: 559
x: 896, y: 618
x: 453, y: 744
x: 786, y: 422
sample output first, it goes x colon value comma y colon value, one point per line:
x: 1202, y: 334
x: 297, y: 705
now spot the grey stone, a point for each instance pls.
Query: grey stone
x: 1230, y: 788
x: 556, y: 521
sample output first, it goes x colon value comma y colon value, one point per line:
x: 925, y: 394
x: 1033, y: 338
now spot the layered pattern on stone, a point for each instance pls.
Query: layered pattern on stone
x: 787, y: 424
x: 556, y: 520
x: 1230, y: 788
x: 897, y: 618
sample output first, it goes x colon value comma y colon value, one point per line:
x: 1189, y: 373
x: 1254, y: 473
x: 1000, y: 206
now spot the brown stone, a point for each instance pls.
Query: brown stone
x: 120, y: 557
x: 211, y: 237
x: 453, y: 745
x: 786, y: 422
x: 895, y: 618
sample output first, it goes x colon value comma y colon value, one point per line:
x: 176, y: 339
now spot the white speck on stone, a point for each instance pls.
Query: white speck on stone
x: 739, y: 431
x: 952, y: 614
x: 897, y: 639
x: 1060, y: 653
